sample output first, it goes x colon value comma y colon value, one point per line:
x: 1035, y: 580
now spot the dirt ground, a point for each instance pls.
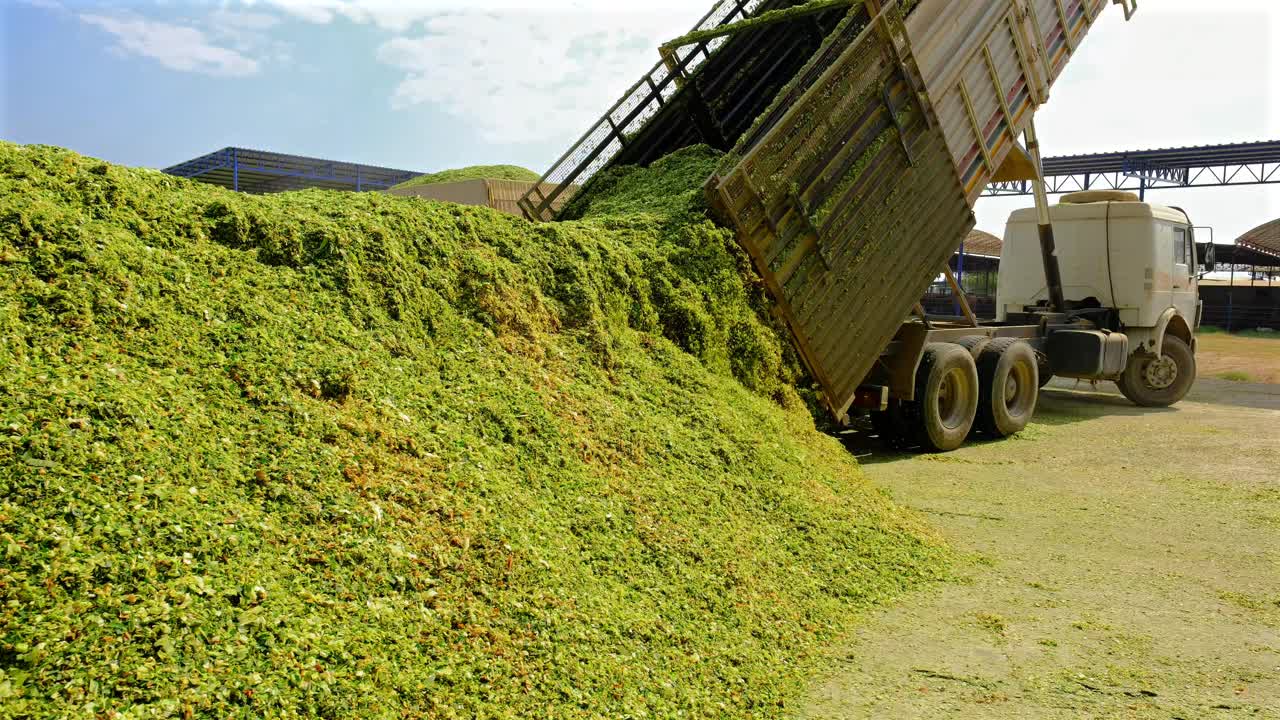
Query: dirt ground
x: 1120, y: 563
x: 1250, y: 359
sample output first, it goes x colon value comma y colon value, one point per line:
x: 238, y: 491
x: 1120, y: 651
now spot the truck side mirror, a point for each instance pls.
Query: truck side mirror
x: 1210, y: 260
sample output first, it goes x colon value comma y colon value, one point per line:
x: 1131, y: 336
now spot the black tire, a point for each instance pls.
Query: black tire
x: 1044, y: 368
x: 946, y: 397
x: 974, y: 344
x: 1009, y: 387
x: 1149, y: 381
x: 891, y: 425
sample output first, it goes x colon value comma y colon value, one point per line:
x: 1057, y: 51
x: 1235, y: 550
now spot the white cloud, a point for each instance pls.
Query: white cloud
x: 402, y: 15
x: 1181, y: 73
x: 516, y: 70
x: 243, y: 21
x: 316, y: 11
x: 394, y: 16
x: 520, y: 77
x: 250, y: 33
x: 176, y: 47
x: 44, y: 4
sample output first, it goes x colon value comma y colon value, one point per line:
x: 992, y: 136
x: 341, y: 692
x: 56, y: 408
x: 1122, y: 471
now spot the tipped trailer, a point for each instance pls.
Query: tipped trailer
x: 1129, y: 274
x: 859, y: 135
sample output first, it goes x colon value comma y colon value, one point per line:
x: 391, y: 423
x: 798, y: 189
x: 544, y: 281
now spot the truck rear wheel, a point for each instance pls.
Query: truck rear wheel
x: 1151, y: 381
x: 975, y: 344
x: 1009, y: 387
x: 946, y: 397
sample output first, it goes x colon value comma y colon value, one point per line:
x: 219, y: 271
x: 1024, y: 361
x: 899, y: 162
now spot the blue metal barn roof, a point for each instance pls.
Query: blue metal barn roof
x: 1256, y: 163
x: 260, y: 172
x: 1195, y: 157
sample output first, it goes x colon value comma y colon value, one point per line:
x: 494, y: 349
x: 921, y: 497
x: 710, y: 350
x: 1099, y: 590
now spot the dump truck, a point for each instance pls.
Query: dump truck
x: 858, y: 135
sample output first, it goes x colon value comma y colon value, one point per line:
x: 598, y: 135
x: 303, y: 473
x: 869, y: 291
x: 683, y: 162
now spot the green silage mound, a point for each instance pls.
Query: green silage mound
x: 476, y: 172
x: 322, y: 454
x: 669, y: 191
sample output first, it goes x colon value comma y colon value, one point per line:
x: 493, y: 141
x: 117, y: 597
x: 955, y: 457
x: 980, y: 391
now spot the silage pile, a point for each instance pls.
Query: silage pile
x: 365, y: 456
x: 475, y: 172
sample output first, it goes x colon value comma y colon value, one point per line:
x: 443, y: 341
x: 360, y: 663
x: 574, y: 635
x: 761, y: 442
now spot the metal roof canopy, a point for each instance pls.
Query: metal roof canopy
x: 1264, y: 238
x: 980, y: 243
x: 260, y: 172
x: 1242, y: 255
x: 1255, y: 163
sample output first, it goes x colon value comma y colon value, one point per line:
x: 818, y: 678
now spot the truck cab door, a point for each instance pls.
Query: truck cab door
x: 1186, y: 292
x: 1183, y: 257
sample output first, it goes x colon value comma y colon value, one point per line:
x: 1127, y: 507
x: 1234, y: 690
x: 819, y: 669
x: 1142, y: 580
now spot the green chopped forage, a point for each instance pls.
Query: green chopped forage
x: 477, y: 172
x: 329, y: 454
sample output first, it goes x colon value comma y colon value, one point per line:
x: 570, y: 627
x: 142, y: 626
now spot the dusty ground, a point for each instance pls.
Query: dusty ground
x: 1249, y: 359
x: 1123, y: 563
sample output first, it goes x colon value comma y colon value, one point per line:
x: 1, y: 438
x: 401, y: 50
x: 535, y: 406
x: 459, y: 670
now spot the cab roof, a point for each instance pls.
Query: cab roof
x: 1101, y: 210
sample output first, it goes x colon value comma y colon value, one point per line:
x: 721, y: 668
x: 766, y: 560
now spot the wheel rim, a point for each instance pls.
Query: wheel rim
x: 951, y: 399
x: 1161, y: 373
x: 1017, y: 389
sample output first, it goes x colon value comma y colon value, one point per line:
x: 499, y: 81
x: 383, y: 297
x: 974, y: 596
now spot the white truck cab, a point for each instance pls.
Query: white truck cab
x: 1136, y: 263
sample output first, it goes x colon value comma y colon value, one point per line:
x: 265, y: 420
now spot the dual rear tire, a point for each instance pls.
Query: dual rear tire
x: 946, y: 404
x: 1009, y: 387
x: 974, y: 384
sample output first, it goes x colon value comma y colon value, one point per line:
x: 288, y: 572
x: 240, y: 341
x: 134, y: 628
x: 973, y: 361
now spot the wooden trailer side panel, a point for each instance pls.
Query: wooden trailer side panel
x: 847, y: 202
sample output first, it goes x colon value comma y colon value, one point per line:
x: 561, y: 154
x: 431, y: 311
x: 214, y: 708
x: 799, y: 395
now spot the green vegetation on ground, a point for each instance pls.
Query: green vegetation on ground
x: 340, y: 455
x: 1235, y: 376
x: 477, y: 172
x: 1262, y: 334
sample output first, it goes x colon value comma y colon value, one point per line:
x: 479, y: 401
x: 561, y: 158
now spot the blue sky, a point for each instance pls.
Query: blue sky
x: 419, y: 86
x: 432, y: 84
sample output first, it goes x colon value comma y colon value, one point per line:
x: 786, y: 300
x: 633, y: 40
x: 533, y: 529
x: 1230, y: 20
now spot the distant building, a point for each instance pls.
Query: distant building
x: 501, y: 195
x: 259, y: 172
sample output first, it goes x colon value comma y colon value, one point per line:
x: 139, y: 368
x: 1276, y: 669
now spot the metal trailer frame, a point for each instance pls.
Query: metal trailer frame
x: 708, y: 91
x: 894, y: 376
x: 903, y: 100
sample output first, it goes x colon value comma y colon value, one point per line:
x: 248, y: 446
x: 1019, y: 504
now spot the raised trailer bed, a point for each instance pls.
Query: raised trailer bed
x: 876, y: 126
x: 857, y: 183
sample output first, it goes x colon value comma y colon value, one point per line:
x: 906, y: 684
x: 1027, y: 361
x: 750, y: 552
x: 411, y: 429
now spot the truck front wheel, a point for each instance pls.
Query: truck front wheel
x: 946, y: 397
x: 1151, y: 381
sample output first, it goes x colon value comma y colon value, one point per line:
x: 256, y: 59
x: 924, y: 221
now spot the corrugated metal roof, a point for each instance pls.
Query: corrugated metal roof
x: 1264, y: 238
x: 983, y: 243
x: 260, y: 172
x: 1197, y: 156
